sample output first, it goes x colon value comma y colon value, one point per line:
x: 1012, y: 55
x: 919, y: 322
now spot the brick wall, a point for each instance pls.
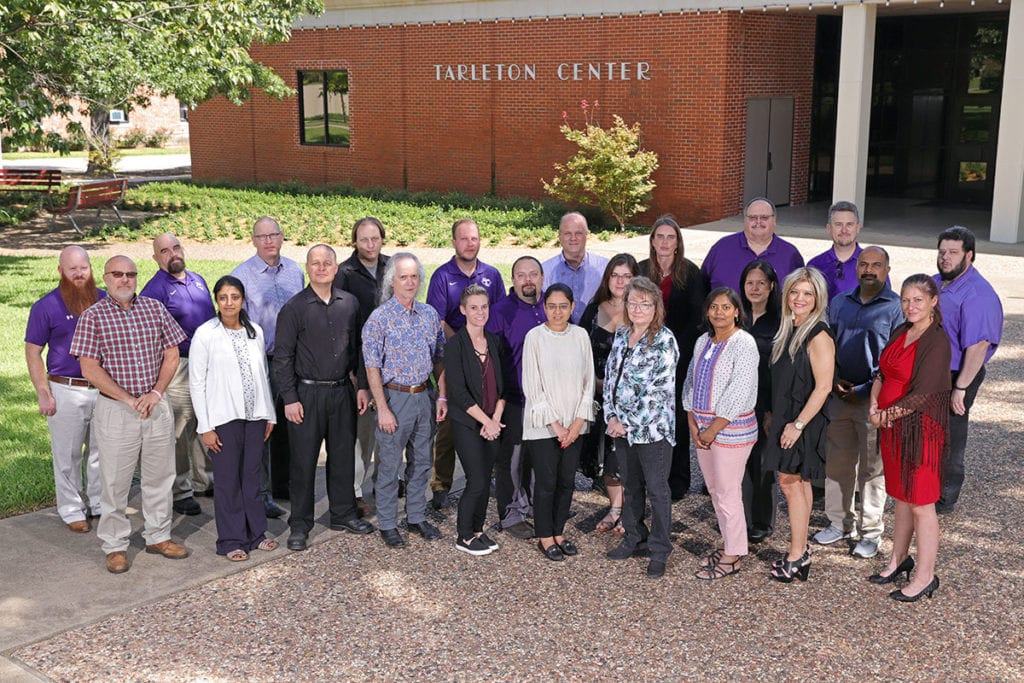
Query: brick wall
x: 410, y: 130
x: 162, y: 113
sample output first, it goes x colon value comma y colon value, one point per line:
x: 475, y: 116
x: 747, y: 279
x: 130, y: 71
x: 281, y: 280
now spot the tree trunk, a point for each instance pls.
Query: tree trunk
x: 102, y: 153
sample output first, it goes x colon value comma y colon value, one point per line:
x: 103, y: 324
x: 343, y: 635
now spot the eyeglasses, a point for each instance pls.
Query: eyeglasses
x: 621, y: 276
x: 118, y: 274
x: 764, y: 218
x: 639, y: 305
x: 839, y: 269
x: 269, y: 237
x: 558, y: 307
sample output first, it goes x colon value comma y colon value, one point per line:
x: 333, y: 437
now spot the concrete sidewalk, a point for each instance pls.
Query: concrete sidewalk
x: 126, y: 165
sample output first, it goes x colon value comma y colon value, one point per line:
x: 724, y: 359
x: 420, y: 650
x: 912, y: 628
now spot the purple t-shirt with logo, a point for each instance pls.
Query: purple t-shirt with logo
x: 188, y: 301
x: 447, y: 283
x: 51, y: 324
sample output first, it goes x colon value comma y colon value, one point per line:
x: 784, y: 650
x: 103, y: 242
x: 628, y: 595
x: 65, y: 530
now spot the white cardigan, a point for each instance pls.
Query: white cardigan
x: 216, y: 381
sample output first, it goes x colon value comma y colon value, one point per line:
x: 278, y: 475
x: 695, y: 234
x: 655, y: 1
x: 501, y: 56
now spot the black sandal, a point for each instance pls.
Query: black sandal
x: 795, y: 569
x: 719, y: 570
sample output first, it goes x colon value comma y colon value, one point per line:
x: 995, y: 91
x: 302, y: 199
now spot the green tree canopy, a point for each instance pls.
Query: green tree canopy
x: 114, y: 55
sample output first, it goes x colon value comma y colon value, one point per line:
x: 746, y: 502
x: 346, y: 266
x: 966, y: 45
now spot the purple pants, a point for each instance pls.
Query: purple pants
x: 237, y: 472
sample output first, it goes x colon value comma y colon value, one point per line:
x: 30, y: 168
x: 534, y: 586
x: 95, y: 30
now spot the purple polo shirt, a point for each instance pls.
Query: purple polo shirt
x: 726, y: 260
x: 51, y: 324
x: 971, y: 312
x: 447, y: 283
x: 510, y: 319
x: 188, y: 301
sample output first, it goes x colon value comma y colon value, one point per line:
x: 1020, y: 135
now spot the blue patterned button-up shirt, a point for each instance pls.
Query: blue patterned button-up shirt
x: 404, y: 345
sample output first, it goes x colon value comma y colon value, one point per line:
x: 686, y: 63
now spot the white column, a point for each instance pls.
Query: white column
x: 1008, y: 193
x: 853, y: 105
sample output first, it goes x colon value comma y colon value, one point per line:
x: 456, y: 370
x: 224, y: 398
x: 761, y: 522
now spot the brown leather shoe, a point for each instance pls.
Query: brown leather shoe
x: 169, y: 549
x: 117, y: 563
x: 81, y: 526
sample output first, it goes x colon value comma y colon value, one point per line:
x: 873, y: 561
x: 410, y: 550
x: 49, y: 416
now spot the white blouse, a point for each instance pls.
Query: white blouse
x: 558, y: 380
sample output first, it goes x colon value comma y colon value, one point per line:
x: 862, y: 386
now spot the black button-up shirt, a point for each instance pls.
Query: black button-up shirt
x: 317, y: 340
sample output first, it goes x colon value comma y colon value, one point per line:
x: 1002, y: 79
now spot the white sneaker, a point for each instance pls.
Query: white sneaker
x: 867, y: 547
x: 830, y: 535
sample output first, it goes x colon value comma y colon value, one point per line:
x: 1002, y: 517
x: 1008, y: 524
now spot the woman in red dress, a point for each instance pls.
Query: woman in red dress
x: 910, y: 406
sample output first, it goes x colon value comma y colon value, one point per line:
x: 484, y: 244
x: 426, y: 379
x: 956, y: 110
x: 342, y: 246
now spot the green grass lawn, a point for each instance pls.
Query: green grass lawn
x: 81, y: 154
x: 26, y: 472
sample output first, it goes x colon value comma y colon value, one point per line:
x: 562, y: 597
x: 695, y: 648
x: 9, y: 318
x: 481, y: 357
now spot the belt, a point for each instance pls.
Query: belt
x: 413, y: 389
x: 325, y: 382
x: 71, y: 381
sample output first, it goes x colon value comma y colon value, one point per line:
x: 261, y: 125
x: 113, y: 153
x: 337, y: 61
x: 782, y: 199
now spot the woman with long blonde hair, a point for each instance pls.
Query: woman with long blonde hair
x: 803, y: 370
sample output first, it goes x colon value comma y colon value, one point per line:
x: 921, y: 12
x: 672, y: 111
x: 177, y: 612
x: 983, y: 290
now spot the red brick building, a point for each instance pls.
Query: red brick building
x: 737, y: 103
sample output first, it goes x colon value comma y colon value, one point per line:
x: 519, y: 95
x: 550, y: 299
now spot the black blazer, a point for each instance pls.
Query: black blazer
x: 465, y: 382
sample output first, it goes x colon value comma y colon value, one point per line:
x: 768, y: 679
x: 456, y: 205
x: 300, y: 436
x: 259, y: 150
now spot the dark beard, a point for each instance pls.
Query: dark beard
x: 957, y: 271
x: 76, y: 298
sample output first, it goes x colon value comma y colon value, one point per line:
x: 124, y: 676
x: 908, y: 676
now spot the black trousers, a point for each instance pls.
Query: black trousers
x: 554, y: 469
x: 511, y: 436
x: 679, y: 474
x: 477, y: 456
x: 759, y: 502
x: 329, y: 413
x: 953, y: 472
x: 645, y: 477
x: 276, y: 450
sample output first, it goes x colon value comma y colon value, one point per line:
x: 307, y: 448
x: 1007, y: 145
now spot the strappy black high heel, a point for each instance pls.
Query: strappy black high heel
x: 799, y: 568
x: 777, y: 564
x: 905, y: 567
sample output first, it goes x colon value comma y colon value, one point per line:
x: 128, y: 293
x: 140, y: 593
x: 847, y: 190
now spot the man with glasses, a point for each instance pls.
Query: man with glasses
x: 270, y: 280
x: 573, y: 266
x: 128, y: 348
x: 724, y: 263
x: 839, y: 263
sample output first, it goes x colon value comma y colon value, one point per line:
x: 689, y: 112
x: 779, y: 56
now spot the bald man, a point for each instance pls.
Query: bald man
x: 65, y: 397
x: 128, y: 348
x: 317, y: 360
x: 187, y: 298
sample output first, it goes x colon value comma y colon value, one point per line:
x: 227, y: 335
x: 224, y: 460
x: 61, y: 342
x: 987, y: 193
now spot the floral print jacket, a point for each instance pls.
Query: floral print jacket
x: 642, y: 394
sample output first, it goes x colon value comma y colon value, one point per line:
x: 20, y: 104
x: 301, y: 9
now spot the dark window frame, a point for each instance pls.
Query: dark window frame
x: 324, y: 76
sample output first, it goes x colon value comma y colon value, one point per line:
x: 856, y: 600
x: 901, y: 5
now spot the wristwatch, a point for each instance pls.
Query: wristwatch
x: 799, y: 425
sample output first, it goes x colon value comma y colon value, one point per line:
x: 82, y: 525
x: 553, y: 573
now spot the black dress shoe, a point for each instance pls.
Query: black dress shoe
x: 439, y: 500
x: 392, y: 538
x: 569, y: 548
x: 656, y: 569
x: 297, y: 540
x: 553, y: 552
x: 272, y: 509
x: 428, y: 531
x: 354, y: 526
x: 759, y: 535
x: 187, y: 506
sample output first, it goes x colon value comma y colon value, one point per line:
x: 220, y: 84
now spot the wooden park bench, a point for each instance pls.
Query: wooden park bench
x: 97, y: 195
x: 41, y: 180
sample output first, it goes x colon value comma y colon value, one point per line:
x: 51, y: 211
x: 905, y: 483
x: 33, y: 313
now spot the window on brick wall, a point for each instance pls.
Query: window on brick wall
x: 323, y: 108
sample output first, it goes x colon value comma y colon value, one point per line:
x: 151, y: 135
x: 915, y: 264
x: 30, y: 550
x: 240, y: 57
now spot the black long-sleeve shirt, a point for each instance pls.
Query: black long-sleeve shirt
x: 317, y: 340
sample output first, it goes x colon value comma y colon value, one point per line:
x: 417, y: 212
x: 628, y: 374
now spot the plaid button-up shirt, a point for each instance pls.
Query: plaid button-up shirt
x: 129, y: 344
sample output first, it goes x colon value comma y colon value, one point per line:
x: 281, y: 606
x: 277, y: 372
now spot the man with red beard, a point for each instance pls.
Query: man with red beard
x: 65, y: 397
x: 187, y: 298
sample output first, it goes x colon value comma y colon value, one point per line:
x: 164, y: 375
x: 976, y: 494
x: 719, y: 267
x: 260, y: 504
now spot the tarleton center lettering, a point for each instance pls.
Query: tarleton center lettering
x: 566, y: 71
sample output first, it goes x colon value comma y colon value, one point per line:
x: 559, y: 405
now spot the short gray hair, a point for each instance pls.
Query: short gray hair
x: 387, y: 289
x: 843, y: 206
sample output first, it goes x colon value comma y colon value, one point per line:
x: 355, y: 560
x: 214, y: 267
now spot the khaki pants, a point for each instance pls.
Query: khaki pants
x: 193, y: 469
x: 126, y: 439
x: 70, y: 439
x: 852, y: 463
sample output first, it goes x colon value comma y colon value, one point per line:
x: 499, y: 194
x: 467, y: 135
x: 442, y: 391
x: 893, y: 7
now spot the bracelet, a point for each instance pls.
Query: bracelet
x: 158, y: 394
x: 442, y: 398
x: 959, y: 388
